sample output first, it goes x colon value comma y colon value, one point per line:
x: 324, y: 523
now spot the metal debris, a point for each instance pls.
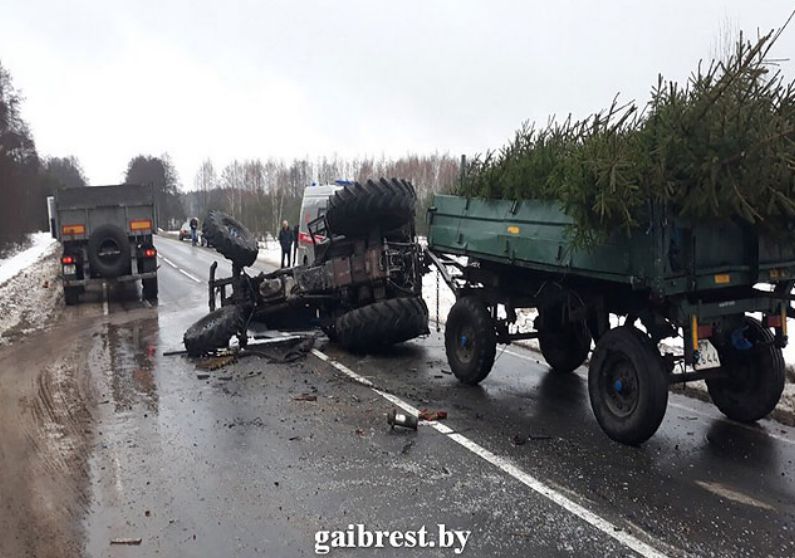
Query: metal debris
x: 405, y: 420
x: 215, y: 362
x: 305, y: 397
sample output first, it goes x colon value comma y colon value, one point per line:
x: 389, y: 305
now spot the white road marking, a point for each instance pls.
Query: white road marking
x: 725, y: 492
x: 688, y: 408
x: 169, y: 262
x: 104, y: 298
x: 189, y: 275
x: 512, y: 470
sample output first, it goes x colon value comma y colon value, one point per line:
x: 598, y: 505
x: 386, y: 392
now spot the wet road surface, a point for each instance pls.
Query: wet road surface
x: 123, y: 442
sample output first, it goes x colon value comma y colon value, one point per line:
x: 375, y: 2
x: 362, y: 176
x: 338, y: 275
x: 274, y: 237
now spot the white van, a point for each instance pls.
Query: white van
x: 313, y: 206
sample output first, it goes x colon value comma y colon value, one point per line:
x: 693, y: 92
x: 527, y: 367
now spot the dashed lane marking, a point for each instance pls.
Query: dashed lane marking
x: 189, y: 275
x: 104, y: 298
x: 596, y: 521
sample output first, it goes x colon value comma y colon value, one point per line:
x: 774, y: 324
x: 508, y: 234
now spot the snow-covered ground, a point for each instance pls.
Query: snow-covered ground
x: 13, y: 264
x: 30, y: 294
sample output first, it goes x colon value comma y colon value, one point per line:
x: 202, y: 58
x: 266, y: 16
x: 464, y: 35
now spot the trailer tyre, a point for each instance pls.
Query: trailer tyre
x: 356, y: 209
x: 470, y: 340
x: 382, y: 323
x: 214, y: 330
x: 627, y: 385
x: 109, y: 251
x: 565, y: 347
x: 231, y: 238
x: 755, y: 377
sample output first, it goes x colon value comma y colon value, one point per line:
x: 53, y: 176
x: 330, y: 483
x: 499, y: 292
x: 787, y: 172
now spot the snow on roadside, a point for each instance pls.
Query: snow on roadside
x: 32, y: 297
x: 270, y: 252
x: 12, y: 265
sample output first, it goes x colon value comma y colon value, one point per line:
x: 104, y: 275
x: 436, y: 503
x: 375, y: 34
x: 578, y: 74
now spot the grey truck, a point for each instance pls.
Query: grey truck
x: 106, y: 234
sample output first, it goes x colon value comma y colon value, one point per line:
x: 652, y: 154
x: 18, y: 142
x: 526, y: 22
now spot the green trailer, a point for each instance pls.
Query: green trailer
x: 723, y: 288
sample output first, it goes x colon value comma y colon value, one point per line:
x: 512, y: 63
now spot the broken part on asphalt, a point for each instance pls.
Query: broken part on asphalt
x: 277, y: 350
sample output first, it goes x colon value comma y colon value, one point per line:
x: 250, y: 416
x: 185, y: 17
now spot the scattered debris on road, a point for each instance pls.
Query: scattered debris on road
x: 305, y: 397
x: 426, y: 414
x: 404, y: 420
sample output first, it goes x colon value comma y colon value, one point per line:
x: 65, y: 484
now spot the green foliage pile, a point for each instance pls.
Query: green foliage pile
x: 721, y: 146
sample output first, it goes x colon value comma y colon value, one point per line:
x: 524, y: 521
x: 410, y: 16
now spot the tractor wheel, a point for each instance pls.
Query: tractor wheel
x: 229, y: 237
x: 214, y: 330
x: 356, y: 209
x: 382, y: 323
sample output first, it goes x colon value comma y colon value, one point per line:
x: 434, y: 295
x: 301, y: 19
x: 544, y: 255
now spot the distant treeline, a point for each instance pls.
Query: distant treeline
x: 259, y: 193
x: 264, y: 193
x: 26, y: 179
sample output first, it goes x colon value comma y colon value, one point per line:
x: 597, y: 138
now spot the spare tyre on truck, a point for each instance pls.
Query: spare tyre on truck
x: 671, y: 278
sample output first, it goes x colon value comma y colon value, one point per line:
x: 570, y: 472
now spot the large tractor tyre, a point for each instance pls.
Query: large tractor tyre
x: 565, y: 345
x: 355, y: 210
x: 71, y: 295
x: 470, y: 340
x: 214, y: 330
x: 109, y: 251
x: 382, y: 324
x: 627, y: 385
x: 230, y: 238
x: 754, y: 378
x: 149, y: 288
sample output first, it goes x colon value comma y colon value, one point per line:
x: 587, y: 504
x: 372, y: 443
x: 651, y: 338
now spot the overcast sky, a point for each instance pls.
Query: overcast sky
x: 105, y: 80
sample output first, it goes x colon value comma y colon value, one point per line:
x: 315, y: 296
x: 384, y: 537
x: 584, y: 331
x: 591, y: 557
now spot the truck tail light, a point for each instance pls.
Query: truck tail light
x: 150, y: 253
x: 73, y: 229
x: 67, y: 260
x: 141, y: 225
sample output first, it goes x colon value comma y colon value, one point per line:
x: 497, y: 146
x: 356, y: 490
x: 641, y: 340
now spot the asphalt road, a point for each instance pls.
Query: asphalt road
x: 124, y: 442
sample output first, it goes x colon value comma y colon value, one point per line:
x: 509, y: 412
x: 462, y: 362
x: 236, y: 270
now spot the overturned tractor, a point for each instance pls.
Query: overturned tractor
x: 363, y: 288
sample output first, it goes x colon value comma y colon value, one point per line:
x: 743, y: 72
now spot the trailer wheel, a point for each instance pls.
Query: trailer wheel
x: 214, y: 330
x: 382, y: 323
x: 627, y: 385
x: 388, y: 204
x: 71, y: 295
x: 109, y: 251
x: 754, y: 378
x: 230, y: 238
x: 149, y: 288
x: 470, y: 340
x: 565, y: 346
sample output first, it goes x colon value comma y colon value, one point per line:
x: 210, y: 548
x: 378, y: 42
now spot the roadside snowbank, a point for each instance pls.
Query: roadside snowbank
x: 12, y: 265
x: 270, y: 252
x: 32, y: 297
